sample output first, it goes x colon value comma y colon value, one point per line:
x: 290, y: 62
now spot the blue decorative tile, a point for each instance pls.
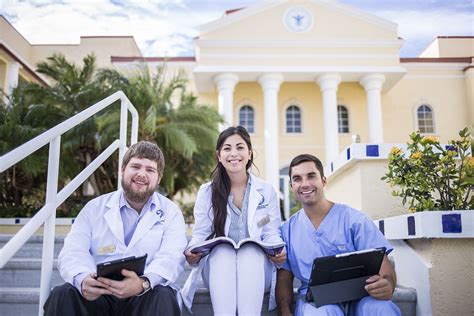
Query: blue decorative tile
x: 382, y: 226
x: 17, y: 221
x: 372, y: 150
x: 453, y: 148
x: 332, y: 167
x: 348, y: 153
x: 452, y: 223
x: 411, y: 225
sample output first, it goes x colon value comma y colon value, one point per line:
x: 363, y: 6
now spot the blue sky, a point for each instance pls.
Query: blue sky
x: 167, y: 27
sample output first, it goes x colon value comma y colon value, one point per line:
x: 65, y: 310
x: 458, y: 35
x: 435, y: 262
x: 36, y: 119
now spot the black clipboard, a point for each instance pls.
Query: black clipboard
x: 112, y: 269
x: 341, y: 278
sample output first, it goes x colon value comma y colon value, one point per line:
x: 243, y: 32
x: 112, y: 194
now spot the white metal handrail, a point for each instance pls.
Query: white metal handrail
x: 47, y: 214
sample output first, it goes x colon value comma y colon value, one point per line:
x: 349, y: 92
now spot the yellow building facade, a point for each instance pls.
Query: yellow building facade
x: 18, y: 58
x: 306, y: 76
x: 302, y: 76
x: 316, y: 76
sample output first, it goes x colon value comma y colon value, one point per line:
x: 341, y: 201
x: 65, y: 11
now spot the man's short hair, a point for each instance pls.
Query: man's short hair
x: 145, y: 150
x: 304, y: 158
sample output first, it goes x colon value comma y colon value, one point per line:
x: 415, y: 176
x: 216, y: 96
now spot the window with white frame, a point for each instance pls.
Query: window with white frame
x: 424, y: 115
x: 293, y: 119
x: 246, y: 118
x: 342, y: 119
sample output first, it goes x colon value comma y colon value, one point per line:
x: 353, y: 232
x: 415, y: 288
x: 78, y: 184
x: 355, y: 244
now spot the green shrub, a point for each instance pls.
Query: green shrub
x: 432, y: 177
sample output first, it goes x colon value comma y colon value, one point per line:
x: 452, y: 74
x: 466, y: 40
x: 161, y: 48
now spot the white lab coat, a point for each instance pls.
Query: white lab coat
x: 263, y: 204
x: 97, y: 236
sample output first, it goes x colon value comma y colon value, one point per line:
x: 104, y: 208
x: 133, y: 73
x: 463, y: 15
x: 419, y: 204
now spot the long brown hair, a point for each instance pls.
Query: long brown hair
x: 220, y: 184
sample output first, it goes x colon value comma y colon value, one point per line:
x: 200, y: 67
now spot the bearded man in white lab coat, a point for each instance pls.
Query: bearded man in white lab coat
x: 132, y: 221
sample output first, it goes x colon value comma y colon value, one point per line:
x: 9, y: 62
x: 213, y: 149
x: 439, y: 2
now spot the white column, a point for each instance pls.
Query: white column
x: 270, y: 84
x: 328, y: 84
x: 225, y: 86
x: 373, y: 86
x: 13, y: 73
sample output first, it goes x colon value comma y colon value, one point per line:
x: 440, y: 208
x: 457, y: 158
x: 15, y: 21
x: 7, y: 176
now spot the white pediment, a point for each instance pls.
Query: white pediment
x: 336, y: 38
x: 266, y: 21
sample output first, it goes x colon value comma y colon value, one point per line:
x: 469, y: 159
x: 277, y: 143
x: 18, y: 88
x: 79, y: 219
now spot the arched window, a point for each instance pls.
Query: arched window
x: 246, y: 118
x: 293, y: 119
x: 342, y: 119
x: 424, y: 115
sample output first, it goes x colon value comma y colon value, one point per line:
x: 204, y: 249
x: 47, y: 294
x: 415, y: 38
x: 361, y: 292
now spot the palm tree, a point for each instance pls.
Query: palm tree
x: 73, y: 89
x: 169, y: 115
x: 172, y: 117
x: 19, y: 181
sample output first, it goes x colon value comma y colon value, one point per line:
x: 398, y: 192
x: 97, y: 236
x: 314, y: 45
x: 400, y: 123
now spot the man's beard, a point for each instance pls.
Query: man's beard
x: 137, y: 196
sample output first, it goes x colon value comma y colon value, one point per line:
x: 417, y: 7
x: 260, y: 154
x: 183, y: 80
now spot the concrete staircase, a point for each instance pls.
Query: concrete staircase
x: 20, y: 277
x: 20, y: 281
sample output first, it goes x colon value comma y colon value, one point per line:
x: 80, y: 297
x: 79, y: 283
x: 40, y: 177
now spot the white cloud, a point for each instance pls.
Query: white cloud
x: 160, y: 27
x: 419, y: 28
x: 166, y: 27
x: 422, y: 24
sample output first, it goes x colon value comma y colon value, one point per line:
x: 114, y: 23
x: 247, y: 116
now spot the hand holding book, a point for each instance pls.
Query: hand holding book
x: 278, y: 259
x: 205, y: 247
x: 192, y: 258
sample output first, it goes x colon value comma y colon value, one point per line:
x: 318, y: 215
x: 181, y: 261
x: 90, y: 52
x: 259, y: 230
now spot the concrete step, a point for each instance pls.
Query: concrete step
x: 404, y: 297
x: 22, y: 272
x: 20, y: 278
x: 24, y: 301
x: 16, y: 301
x: 33, y: 248
x: 202, y: 305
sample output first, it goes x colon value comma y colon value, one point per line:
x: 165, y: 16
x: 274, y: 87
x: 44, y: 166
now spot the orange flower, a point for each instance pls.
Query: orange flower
x: 416, y: 155
x: 396, y: 151
x: 470, y: 162
x: 429, y: 140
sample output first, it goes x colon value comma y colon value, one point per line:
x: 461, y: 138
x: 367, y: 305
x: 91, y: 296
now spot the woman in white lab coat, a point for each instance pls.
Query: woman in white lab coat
x: 238, y: 205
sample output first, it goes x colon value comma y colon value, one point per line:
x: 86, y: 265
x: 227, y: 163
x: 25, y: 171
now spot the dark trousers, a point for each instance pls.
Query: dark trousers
x: 66, y: 300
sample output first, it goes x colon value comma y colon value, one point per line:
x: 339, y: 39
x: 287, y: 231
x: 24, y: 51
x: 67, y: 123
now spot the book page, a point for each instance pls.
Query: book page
x: 268, y: 248
x: 205, y: 247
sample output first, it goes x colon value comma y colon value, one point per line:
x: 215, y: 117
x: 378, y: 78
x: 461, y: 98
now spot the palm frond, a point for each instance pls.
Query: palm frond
x: 177, y: 139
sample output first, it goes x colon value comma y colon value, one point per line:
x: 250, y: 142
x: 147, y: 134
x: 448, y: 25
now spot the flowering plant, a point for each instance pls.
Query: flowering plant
x: 430, y: 176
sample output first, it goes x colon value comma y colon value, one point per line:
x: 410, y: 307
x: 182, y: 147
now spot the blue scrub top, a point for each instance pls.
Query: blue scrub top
x: 344, y: 229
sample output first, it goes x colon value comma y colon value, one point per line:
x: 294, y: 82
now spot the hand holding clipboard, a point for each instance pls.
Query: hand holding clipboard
x: 340, y: 278
x: 113, y: 269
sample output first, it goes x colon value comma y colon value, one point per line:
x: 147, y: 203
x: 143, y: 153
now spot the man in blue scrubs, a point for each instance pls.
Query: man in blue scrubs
x: 323, y: 228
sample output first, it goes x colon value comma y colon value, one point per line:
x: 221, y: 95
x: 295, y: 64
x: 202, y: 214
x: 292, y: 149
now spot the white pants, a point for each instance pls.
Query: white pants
x: 237, y: 280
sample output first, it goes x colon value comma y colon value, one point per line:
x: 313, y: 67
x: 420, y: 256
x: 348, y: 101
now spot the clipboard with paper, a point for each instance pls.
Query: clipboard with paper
x: 341, y: 278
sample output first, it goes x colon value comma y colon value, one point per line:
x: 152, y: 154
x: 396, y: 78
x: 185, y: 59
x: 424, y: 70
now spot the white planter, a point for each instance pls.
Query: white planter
x: 20, y: 221
x: 433, y: 254
x: 429, y: 224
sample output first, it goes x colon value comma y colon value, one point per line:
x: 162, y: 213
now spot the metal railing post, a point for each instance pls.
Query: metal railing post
x: 134, y: 131
x: 49, y: 224
x: 46, y: 216
x: 122, y: 138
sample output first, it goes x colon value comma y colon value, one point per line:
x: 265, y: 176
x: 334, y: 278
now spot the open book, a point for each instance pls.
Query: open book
x: 205, y: 247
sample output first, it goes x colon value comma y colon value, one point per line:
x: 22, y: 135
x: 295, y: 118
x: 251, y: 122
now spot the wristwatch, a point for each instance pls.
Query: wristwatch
x: 146, y: 284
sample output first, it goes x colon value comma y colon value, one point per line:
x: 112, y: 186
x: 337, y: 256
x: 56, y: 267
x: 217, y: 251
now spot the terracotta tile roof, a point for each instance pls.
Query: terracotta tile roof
x: 227, y: 12
x: 455, y: 36
x: 436, y: 60
x: 108, y: 36
x: 151, y: 59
